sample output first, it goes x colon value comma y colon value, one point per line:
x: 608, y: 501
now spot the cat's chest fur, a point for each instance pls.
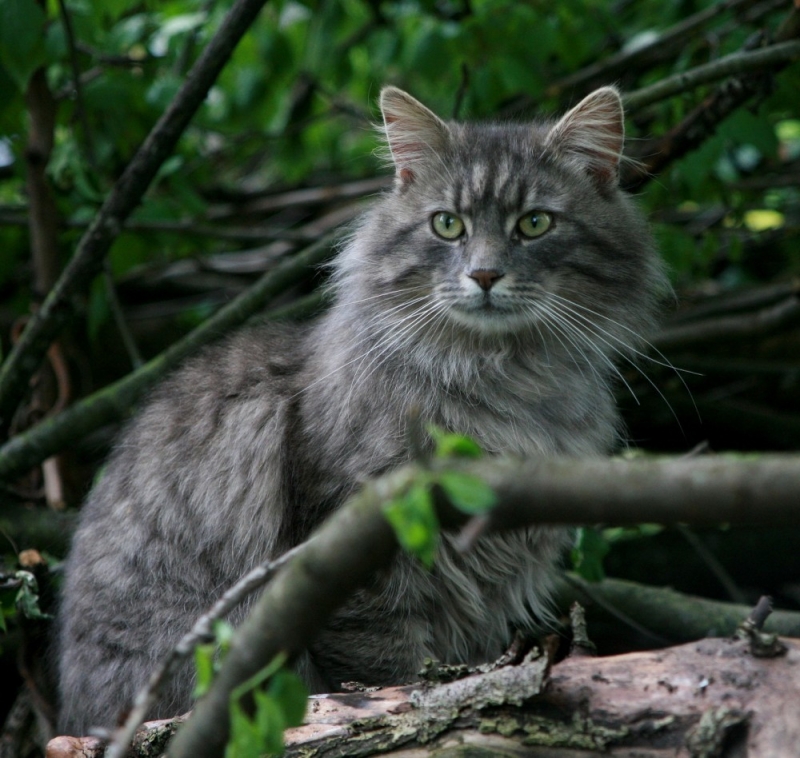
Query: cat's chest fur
x: 515, y: 399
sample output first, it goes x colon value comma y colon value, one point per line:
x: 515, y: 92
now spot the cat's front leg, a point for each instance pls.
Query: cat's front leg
x: 381, y: 636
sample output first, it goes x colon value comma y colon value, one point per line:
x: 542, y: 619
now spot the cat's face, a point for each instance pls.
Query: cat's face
x: 508, y: 229
x: 492, y: 232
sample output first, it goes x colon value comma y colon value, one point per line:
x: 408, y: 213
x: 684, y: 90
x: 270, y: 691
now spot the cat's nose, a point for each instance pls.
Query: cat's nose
x: 485, y: 277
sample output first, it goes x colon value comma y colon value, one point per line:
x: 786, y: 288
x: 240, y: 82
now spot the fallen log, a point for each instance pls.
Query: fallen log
x: 713, y: 697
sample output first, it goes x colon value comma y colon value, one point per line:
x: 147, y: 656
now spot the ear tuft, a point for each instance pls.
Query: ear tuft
x: 592, y: 134
x: 413, y: 132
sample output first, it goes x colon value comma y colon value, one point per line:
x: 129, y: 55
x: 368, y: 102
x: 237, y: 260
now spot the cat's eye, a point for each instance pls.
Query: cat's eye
x: 447, y: 225
x: 534, y: 224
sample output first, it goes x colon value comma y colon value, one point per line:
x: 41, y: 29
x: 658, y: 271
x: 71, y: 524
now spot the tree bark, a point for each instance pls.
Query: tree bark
x: 708, y: 698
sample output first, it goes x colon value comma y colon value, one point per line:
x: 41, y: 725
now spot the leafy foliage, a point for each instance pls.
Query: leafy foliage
x: 412, y: 513
x: 19, y: 594
x: 277, y: 699
x: 282, y: 704
x: 294, y: 106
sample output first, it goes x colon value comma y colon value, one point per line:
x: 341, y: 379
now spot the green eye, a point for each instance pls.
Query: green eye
x: 447, y: 226
x: 534, y: 224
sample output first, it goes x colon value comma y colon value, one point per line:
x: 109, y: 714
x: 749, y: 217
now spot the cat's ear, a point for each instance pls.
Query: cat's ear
x: 592, y: 134
x: 413, y: 132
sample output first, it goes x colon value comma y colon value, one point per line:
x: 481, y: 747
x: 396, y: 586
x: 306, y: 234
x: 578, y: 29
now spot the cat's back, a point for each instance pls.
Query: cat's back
x: 191, y: 498
x: 206, y: 434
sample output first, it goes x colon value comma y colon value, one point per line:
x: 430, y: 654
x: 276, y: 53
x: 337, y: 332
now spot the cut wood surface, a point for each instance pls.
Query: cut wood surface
x: 712, y: 697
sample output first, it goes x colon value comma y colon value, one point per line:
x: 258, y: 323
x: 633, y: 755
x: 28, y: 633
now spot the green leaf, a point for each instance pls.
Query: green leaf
x: 291, y: 694
x: 453, y: 445
x: 204, y: 666
x: 281, y: 705
x: 414, y: 520
x: 588, y: 553
x: 467, y: 492
x: 21, y: 39
x: 245, y: 739
x: 270, y: 722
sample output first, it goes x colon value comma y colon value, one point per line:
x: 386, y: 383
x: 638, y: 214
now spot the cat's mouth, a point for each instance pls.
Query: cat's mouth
x: 488, y: 314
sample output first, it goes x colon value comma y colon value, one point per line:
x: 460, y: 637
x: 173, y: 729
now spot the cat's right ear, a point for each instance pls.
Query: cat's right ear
x: 413, y: 132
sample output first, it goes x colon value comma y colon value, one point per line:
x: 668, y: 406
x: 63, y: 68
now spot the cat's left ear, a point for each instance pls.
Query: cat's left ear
x: 414, y: 133
x: 592, y: 134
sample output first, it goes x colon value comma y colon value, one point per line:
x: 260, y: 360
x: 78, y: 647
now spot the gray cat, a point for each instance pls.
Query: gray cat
x: 492, y: 289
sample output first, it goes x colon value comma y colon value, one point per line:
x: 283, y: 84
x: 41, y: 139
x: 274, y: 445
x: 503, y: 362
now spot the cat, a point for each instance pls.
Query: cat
x: 491, y: 289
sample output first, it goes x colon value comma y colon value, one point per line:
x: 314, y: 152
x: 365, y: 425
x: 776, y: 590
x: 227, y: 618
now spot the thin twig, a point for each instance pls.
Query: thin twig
x: 585, y: 589
x: 772, y: 318
x: 461, y: 93
x: 581, y: 644
x: 250, y: 233
x: 80, y: 106
x: 128, y: 341
x: 737, y: 301
x: 300, y: 198
x: 713, y: 564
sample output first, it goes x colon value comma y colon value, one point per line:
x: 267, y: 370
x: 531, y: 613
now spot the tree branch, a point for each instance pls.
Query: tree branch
x: 80, y: 106
x: 42, y: 220
x: 673, y: 615
x: 356, y: 541
x: 703, y: 490
x: 616, y: 64
x: 701, y: 122
x: 114, y: 401
x: 736, y: 63
x: 87, y: 261
x: 784, y: 313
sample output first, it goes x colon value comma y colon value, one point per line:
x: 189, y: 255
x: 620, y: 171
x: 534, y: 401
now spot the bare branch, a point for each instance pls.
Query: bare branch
x: 356, y: 541
x: 702, y: 490
x: 77, y: 84
x: 784, y: 313
x: 736, y: 63
x: 677, y: 617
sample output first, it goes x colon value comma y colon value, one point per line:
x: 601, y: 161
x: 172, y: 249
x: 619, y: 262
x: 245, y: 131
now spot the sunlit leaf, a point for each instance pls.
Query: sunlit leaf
x: 414, y: 520
x: 763, y: 219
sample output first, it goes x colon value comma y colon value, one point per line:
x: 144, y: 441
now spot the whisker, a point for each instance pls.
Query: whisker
x: 579, y: 335
x: 665, y: 362
x: 601, y: 334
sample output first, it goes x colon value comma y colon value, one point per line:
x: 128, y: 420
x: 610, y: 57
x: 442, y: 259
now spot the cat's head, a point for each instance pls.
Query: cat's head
x: 502, y: 228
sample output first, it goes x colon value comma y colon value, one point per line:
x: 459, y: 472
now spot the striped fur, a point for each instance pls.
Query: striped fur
x: 509, y: 338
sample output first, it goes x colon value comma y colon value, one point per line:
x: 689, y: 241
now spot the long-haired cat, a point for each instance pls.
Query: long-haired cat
x: 491, y: 290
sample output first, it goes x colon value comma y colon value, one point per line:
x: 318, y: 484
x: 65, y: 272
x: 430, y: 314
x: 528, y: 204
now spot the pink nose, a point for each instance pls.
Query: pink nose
x: 485, y: 277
